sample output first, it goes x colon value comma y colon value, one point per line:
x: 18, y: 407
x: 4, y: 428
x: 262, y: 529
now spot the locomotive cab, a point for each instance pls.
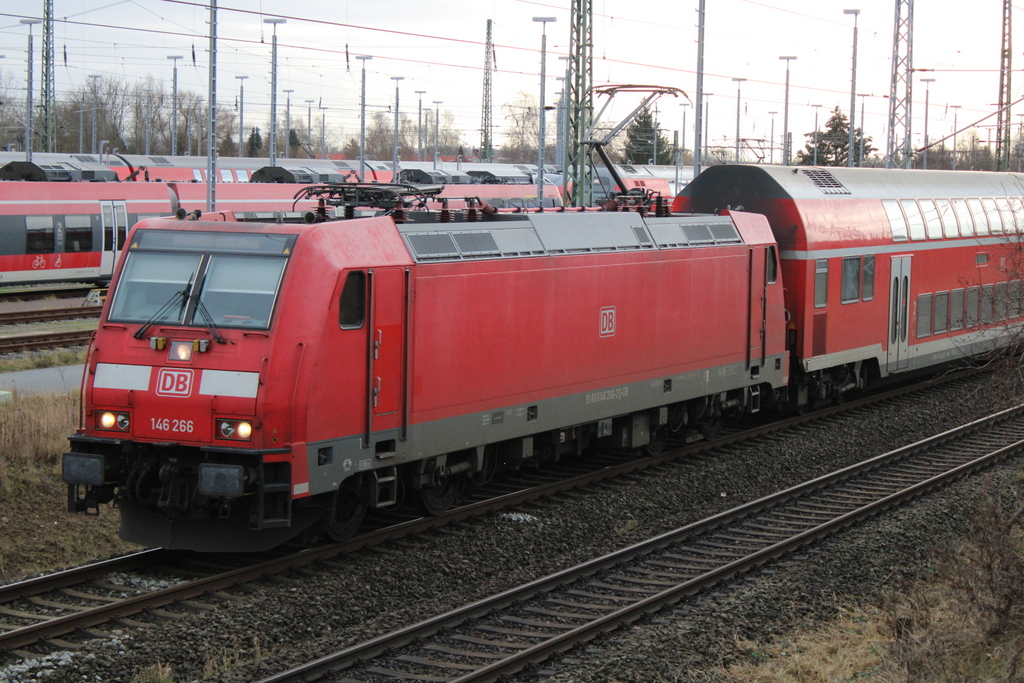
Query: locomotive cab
x: 172, y: 429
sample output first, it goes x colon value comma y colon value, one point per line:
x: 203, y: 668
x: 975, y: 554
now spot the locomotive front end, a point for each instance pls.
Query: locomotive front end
x: 178, y: 426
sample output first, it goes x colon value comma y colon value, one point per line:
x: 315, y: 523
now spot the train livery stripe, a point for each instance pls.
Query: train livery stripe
x: 127, y: 377
x: 236, y: 384
x: 899, y: 247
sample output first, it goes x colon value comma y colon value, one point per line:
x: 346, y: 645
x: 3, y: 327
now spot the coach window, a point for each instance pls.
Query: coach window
x: 1013, y: 299
x: 999, y: 305
x: 947, y: 216
x: 956, y: 310
x: 352, y: 307
x: 987, y: 297
x: 1009, y: 224
x: 39, y: 235
x: 924, y: 315
x: 931, y: 219
x: 1018, y: 211
x: 897, y: 222
x: 973, y: 293
x: 771, y: 267
x: 820, y: 283
x: 995, y: 222
x: 867, y: 291
x: 980, y: 219
x: 78, y: 233
x: 914, y: 218
x: 963, y: 214
x: 941, y: 312
x: 849, y: 289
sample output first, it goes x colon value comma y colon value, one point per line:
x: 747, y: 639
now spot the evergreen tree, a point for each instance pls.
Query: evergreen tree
x: 254, y: 146
x: 640, y: 135
x: 834, y: 143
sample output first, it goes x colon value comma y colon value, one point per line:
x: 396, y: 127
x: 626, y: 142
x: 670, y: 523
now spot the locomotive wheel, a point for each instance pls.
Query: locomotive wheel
x: 711, y: 427
x: 437, y: 499
x: 347, y: 514
x: 658, y: 441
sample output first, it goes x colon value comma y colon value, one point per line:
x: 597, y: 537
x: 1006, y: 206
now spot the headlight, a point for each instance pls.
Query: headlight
x: 113, y: 421
x: 181, y: 351
x: 236, y: 430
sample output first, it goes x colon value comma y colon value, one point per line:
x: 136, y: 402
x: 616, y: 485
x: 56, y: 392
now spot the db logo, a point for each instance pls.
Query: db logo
x: 174, y: 383
x: 608, y: 321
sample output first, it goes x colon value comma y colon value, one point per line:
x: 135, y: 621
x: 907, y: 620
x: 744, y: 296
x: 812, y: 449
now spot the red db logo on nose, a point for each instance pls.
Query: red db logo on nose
x: 174, y: 383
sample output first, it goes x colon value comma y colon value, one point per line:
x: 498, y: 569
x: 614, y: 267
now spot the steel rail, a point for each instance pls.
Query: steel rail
x: 44, y: 340
x: 45, y: 315
x: 70, y: 577
x: 541, y: 651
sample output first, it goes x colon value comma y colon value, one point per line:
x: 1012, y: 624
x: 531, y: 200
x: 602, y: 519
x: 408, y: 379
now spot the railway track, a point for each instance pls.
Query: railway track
x: 49, y: 315
x: 36, y: 293
x: 47, y: 607
x: 502, y: 635
x: 44, y: 340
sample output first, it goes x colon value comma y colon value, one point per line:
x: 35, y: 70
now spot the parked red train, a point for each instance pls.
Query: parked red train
x: 250, y: 382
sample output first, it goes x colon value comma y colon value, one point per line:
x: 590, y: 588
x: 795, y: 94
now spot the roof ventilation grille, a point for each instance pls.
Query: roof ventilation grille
x: 825, y: 181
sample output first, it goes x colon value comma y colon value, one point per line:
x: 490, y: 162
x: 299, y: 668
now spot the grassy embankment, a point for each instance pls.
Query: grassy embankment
x: 36, y: 531
x: 965, y: 623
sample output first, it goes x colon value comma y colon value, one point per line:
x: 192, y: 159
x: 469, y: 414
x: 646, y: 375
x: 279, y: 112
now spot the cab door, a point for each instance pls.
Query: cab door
x: 757, y: 307
x: 899, y: 314
x: 114, y: 220
x: 387, y: 349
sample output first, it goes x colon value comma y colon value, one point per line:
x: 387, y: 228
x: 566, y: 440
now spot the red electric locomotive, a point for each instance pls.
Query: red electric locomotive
x: 251, y: 381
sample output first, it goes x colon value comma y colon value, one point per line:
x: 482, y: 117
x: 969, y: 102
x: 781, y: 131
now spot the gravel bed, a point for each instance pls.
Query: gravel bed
x: 287, y: 622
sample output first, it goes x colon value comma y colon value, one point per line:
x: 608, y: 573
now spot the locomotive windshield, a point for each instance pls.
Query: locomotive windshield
x: 199, y: 278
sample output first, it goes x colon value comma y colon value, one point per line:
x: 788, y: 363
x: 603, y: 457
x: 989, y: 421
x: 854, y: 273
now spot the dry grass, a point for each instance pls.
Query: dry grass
x: 42, y: 359
x: 966, y: 624
x: 37, y: 532
x: 158, y: 673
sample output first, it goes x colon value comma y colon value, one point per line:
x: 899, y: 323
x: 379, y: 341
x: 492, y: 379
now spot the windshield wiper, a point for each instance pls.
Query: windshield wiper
x: 208, y: 319
x: 161, y: 313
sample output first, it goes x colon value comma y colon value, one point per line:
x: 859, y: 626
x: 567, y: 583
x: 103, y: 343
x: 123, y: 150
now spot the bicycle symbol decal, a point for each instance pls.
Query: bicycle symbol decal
x: 40, y: 262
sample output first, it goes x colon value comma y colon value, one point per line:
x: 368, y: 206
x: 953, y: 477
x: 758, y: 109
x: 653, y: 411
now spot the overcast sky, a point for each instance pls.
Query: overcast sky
x: 438, y: 47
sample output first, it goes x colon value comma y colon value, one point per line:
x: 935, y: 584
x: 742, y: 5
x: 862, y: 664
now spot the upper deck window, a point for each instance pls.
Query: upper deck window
x: 945, y: 209
x: 931, y: 219
x: 914, y: 218
x: 1009, y: 224
x: 995, y: 222
x: 963, y: 215
x: 897, y: 222
x: 980, y: 218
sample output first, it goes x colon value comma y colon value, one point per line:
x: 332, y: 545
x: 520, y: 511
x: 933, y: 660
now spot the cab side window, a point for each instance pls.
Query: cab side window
x: 352, y: 306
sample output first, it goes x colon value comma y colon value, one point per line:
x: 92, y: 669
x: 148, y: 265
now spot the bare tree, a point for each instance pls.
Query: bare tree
x: 521, y: 130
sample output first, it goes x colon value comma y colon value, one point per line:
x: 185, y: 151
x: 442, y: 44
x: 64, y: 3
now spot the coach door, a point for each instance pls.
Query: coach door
x: 757, y: 307
x: 899, y: 313
x: 114, y: 217
x: 386, y: 352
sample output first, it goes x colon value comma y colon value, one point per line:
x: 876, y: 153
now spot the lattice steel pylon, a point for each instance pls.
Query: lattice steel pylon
x: 48, y: 91
x: 577, y: 184
x: 486, y: 124
x: 898, y: 147
x: 1003, y: 118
